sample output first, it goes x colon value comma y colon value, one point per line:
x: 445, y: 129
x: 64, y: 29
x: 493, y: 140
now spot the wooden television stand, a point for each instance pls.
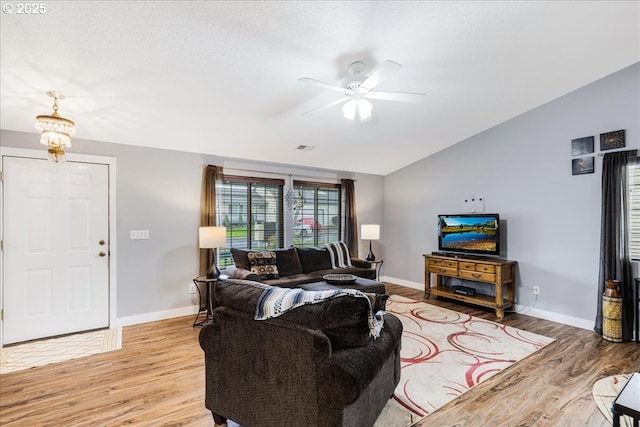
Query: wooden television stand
x: 497, y: 272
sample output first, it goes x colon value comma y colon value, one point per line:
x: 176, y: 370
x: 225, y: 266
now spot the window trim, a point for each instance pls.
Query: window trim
x: 250, y: 181
x: 316, y: 186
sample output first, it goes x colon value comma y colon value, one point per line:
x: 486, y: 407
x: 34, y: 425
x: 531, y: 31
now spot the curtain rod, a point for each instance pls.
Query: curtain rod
x: 282, y: 173
x: 629, y: 152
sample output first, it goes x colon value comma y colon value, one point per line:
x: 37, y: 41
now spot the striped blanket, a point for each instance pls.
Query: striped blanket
x: 275, y: 301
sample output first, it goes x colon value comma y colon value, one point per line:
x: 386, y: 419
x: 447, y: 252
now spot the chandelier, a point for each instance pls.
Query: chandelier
x: 56, y: 131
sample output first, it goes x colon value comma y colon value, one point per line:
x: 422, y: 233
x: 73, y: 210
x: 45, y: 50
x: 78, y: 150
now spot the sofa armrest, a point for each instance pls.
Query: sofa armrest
x: 359, y: 262
x: 249, y: 365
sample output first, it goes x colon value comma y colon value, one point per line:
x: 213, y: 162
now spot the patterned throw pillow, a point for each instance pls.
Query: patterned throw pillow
x: 263, y: 264
x: 339, y: 252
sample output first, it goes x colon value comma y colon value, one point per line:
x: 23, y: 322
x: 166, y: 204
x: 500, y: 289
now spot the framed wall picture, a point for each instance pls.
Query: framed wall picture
x: 611, y: 140
x: 581, y: 146
x: 582, y: 166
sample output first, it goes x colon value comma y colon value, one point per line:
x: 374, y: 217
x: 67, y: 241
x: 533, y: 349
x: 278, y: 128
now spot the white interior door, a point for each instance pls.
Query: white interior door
x: 56, y: 248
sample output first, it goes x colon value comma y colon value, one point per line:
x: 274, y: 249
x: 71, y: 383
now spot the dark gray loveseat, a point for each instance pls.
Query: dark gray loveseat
x: 315, y: 365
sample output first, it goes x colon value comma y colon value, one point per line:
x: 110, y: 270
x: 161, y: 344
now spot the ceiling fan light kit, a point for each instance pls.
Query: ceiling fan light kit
x: 356, y: 90
x: 362, y: 107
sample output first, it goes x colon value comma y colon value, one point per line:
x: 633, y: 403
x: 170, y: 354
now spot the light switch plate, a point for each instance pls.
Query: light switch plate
x: 139, y: 234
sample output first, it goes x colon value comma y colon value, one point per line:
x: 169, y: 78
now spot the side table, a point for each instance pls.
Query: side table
x: 377, y: 264
x: 628, y: 401
x: 205, y: 302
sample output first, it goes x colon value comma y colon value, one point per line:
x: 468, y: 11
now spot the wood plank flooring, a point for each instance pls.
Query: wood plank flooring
x: 157, y: 379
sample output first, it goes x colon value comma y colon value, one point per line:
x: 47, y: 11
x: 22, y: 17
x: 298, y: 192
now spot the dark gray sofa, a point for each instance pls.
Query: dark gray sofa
x: 297, y: 266
x: 315, y: 365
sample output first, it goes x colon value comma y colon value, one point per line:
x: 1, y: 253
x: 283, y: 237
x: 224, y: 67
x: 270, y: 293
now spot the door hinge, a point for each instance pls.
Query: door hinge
x: 1, y: 245
x: 1, y: 176
x: 1, y: 314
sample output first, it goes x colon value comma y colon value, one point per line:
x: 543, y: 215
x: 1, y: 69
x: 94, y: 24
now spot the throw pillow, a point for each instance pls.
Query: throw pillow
x: 339, y: 252
x: 263, y: 264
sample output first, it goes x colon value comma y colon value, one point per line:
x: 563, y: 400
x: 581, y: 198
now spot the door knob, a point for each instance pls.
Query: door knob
x: 102, y: 253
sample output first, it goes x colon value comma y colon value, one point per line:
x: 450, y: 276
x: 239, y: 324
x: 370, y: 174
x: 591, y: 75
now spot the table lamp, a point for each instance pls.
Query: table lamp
x: 213, y: 238
x: 370, y: 232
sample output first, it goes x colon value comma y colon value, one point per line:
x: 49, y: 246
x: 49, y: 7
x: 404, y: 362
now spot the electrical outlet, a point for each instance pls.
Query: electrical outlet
x: 536, y: 290
x: 192, y: 288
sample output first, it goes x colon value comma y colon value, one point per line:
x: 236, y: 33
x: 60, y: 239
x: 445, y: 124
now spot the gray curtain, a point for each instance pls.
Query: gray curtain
x: 615, y: 263
x: 208, y: 210
x: 350, y: 233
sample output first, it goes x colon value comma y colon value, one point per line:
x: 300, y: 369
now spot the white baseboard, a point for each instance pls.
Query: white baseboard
x: 556, y: 317
x: 156, y: 315
x: 533, y: 312
x: 402, y: 282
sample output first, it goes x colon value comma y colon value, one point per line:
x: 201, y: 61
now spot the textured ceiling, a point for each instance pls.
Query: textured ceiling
x: 221, y: 78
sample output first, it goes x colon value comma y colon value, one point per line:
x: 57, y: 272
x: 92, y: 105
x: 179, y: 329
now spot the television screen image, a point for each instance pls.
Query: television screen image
x: 469, y: 233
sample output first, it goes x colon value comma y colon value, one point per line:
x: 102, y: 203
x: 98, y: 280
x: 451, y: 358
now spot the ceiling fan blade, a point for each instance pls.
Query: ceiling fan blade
x: 396, y: 96
x: 383, y: 72
x: 331, y: 104
x: 326, y: 85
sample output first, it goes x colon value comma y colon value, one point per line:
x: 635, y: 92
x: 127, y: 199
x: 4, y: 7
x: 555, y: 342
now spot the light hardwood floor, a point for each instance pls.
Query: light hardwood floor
x: 157, y: 379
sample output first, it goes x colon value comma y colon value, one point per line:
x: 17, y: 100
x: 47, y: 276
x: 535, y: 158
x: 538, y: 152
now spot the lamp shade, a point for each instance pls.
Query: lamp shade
x: 370, y: 231
x: 213, y: 237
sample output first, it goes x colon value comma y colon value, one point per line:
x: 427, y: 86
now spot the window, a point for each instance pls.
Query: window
x: 316, y: 213
x: 634, y: 211
x: 251, y: 209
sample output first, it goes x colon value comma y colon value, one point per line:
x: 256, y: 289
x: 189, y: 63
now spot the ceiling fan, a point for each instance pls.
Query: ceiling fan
x: 358, y: 88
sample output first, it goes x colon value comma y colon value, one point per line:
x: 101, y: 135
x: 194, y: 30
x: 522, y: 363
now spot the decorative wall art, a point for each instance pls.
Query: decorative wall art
x: 582, y: 146
x: 611, y: 140
x: 582, y: 166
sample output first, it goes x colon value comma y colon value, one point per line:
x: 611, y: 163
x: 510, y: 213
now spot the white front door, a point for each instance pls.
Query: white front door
x: 56, y: 248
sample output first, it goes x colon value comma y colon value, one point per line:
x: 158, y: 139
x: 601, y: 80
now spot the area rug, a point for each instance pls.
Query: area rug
x: 44, y: 352
x: 446, y: 353
x: 604, y: 393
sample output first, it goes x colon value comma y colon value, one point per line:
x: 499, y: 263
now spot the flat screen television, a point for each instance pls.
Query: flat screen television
x: 477, y: 234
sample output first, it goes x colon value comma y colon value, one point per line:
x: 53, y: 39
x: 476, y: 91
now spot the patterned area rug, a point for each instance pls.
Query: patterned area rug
x: 446, y: 353
x: 44, y: 352
x: 604, y: 393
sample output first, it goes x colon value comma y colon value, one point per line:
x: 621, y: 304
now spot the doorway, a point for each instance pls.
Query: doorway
x: 57, y: 253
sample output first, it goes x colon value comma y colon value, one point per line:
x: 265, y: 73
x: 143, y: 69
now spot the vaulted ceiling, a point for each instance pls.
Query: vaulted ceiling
x: 221, y: 77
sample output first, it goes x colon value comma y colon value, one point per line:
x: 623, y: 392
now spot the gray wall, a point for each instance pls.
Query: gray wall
x: 522, y: 168
x: 159, y: 190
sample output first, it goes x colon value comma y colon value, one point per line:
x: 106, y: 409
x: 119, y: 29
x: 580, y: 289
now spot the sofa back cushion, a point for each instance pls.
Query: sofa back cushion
x: 288, y: 262
x: 314, y: 259
x: 343, y: 319
x: 240, y: 258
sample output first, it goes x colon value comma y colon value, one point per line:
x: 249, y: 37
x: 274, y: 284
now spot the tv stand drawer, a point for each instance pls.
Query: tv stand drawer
x: 477, y: 276
x: 474, y: 266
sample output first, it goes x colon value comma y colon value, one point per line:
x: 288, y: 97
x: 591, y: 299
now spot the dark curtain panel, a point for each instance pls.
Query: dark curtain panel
x: 210, y: 175
x: 350, y: 220
x: 615, y: 263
